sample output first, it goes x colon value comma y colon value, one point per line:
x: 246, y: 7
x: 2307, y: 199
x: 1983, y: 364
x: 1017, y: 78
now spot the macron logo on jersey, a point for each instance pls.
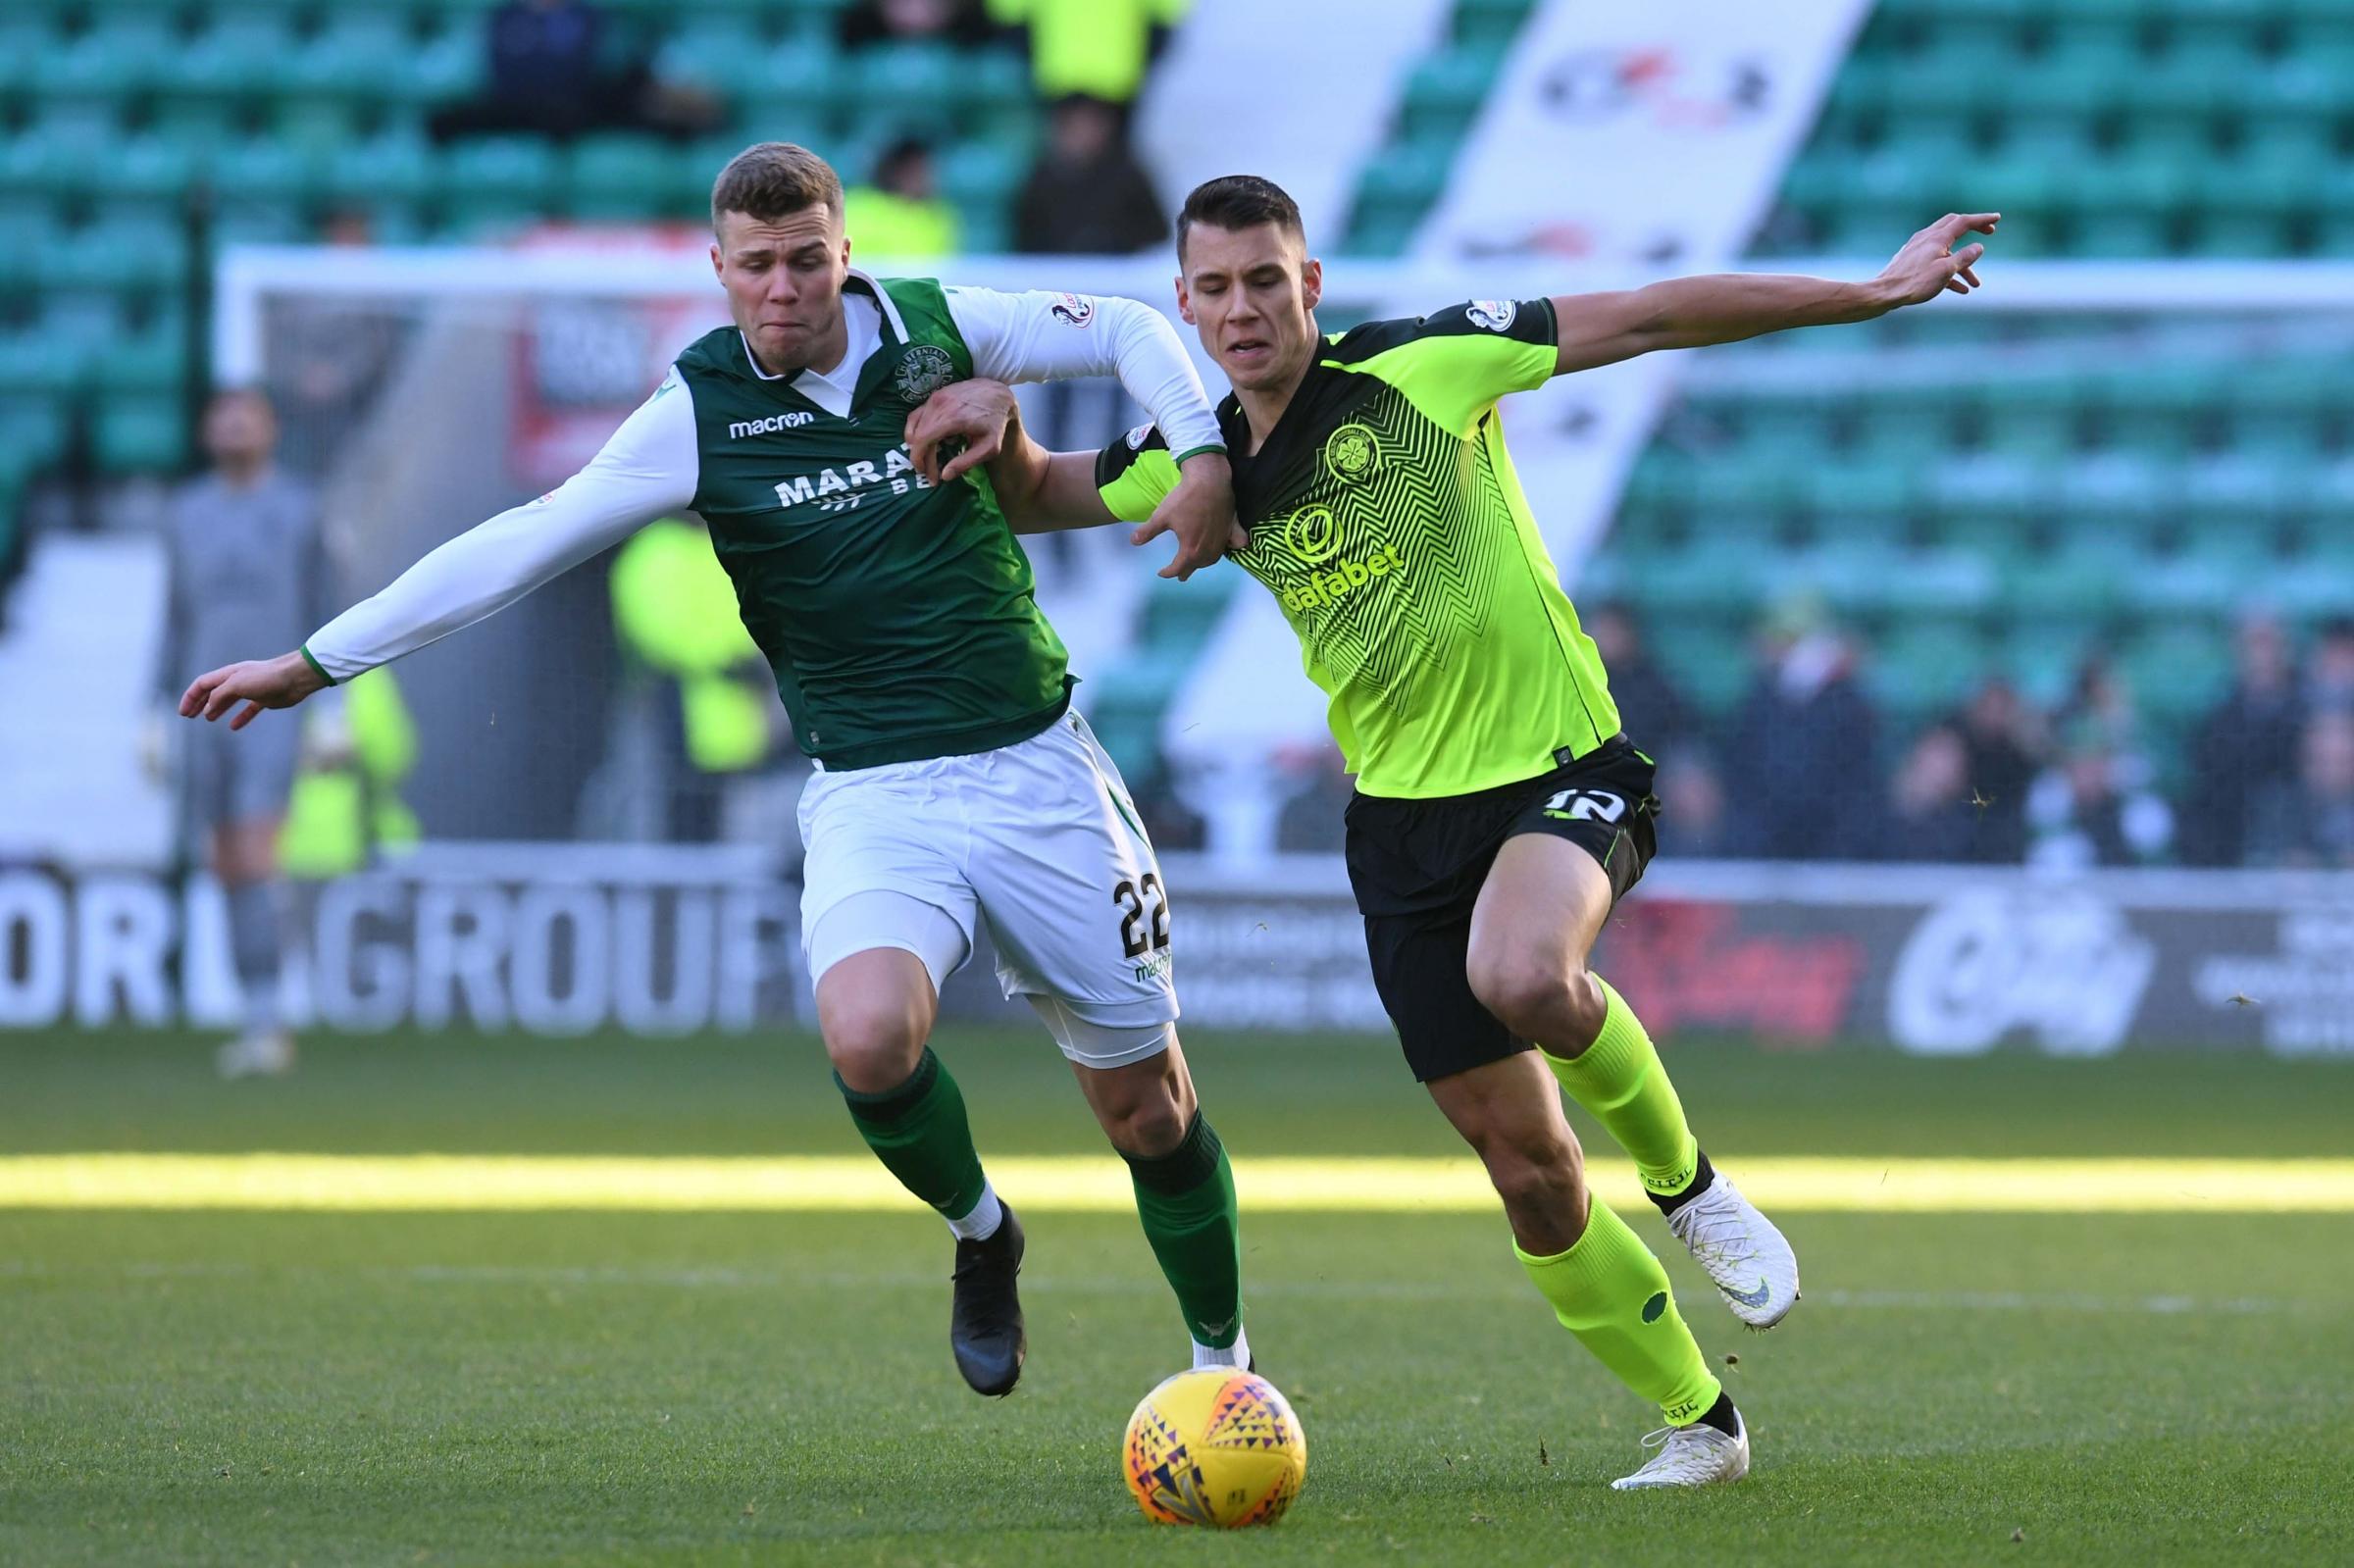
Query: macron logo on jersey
x: 740, y: 429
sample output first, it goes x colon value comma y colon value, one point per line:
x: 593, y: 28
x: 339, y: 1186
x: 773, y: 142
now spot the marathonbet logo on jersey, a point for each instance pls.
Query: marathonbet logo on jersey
x: 841, y: 489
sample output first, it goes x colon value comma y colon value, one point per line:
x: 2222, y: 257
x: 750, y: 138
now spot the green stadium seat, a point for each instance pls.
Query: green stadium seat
x: 1490, y: 24
x: 146, y: 254
x: 1709, y: 661
x: 620, y: 177
x: 2179, y: 669
x: 33, y: 363
x: 140, y: 435
x: 262, y: 167
x: 726, y: 55
x: 983, y: 172
x: 116, y: 58
x: 260, y: 221
x: 26, y: 40
x: 238, y: 54
x: 1444, y: 94
x: 2087, y: 575
x: 519, y: 170
x: 1926, y: 666
x: 446, y: 67
x: 395, y: 167
x: 907, y: 87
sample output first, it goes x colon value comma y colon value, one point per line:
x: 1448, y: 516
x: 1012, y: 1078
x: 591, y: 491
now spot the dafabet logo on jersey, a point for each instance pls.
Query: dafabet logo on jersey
x: 1313, y: 535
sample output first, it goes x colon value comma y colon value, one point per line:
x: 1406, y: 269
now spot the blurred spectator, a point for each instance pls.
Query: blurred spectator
x: 549, y: 74
x: 2324, y: 810
x: 1100, y: 48
x: 2243, y: 761
x: 899, y: 215
x: 2329, y: 680
x: 961, y: 24
x: 1931, y: 812
x: 1801, y: 759
x: 2100, y: 701
x: 245, y: 571
x: 1651, y: 711
x: 1087, y: 196
x: 2003, y: 739
x: 1693, y: 823
x: 2084, y: 814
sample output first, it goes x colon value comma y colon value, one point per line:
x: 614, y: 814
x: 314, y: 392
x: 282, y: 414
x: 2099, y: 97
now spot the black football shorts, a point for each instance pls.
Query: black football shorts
x: 1418, y: 867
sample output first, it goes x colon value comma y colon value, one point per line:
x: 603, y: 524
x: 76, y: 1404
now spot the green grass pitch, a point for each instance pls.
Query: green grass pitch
x: 256, y: 1388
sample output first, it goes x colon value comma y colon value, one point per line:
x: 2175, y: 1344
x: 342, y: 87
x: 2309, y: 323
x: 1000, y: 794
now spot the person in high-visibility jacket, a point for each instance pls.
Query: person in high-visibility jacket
x: 346, y: 799
x: 675, y: 610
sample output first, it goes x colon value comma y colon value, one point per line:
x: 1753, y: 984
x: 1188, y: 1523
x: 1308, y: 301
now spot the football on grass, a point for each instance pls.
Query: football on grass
x: 1215, y: 1447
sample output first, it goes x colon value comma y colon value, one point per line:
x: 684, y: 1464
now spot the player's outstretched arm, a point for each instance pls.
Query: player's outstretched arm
x: 1693, y: 312
x: 646, y: 470
x: 978, y: 424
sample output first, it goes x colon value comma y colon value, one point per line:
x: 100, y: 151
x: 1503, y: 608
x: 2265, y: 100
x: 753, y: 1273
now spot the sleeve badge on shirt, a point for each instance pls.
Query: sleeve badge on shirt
x: 1496, y: 315
x: 1139, y: 437
x: 1073, y: 310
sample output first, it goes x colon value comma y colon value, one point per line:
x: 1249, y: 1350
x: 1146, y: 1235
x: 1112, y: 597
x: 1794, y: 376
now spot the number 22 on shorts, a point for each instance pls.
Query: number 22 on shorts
x: 1134, y: 898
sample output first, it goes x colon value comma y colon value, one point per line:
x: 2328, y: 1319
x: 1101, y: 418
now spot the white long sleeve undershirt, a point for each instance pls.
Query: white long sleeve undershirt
x: 650, y: 469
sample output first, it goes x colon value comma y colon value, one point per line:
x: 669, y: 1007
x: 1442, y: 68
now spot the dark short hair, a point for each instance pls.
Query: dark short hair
x: 1238, y: 201
x: 771, y: 178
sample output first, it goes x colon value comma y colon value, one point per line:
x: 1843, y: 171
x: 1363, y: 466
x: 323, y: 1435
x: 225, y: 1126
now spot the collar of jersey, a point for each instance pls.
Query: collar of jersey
x: 893, y: 331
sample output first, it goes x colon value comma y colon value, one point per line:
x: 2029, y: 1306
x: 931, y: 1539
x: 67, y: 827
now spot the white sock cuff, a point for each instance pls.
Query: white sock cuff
x: 983, y: 1222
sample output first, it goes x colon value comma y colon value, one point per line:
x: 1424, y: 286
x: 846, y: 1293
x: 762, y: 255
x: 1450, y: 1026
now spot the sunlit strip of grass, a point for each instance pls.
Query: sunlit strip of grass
x: 1074, y: 1184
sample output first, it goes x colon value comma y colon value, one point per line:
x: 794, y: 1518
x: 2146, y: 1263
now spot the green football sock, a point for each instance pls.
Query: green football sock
x: 1620, y: 1080
x: 1610, y: 1292
x: 1185, y: 1200
x: 919, y: 1131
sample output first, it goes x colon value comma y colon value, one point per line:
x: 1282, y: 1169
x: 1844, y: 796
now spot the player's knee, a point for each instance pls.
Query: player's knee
x: 874, y: 1040
x: 1150, y: 1126
x: 1528, y: 990
x: 1535, y: 1171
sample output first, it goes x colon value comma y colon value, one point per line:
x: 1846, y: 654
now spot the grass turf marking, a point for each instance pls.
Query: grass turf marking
x: 1087, y: 1184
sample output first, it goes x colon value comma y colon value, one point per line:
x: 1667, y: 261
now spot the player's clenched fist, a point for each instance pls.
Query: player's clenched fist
x: 1929, y: 262
x: 981, y: 413
x: 259, y: 683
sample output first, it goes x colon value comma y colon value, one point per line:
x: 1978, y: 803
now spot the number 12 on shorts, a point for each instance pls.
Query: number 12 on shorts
x: 1137, y: 935
x: 1586, y: 806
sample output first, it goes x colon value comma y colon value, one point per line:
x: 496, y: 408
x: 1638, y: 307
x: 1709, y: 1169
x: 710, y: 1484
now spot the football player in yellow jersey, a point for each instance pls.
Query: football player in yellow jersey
x: 1500, y: 813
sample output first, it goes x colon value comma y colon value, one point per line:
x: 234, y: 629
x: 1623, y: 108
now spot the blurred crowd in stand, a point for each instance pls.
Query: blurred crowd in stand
x: 1805, y: 766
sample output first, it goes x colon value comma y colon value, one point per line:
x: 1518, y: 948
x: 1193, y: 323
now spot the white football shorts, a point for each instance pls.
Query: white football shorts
x: 1041, y: 840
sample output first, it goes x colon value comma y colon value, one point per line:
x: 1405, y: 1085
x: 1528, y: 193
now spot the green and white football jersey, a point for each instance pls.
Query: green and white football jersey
x: 900, y: 618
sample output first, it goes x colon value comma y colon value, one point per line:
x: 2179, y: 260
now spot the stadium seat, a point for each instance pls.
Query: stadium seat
x: 621, y: 177
x: 1444, y: 94
x: 140, y: 435
x: 491, y: 169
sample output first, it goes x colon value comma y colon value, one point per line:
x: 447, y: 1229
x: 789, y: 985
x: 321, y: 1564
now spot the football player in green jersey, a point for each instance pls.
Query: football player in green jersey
x: 1500, y: 813
x: 956, y: 784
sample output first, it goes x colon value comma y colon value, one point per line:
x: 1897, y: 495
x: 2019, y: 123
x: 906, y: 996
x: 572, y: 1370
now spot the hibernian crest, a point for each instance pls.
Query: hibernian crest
x: 1350, y: 452
x: 923, y: 370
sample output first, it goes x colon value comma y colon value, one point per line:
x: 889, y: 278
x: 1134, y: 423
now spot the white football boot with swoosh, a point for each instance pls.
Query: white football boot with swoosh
x: 1749, y: 1261
x: 1697, y: 1455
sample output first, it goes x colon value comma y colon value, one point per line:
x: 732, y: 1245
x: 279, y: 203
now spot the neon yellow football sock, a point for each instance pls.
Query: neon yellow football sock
x: 1620, y: 1080
x: 1610, y: 1292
